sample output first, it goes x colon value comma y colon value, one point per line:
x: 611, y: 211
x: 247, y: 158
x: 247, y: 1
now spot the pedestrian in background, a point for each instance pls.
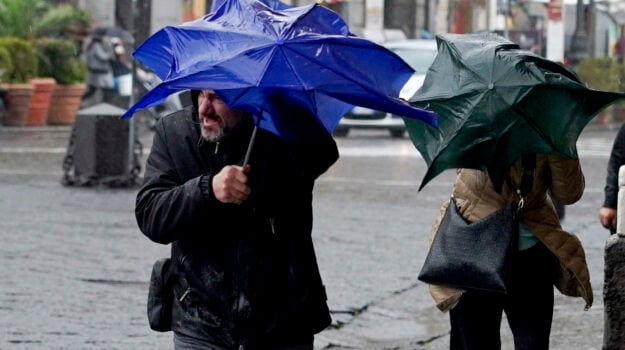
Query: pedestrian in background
x: 100, y: 79
x: 546, y: 256
x: 607, y: 213
x: 120, y: 63
x: 245, y: 275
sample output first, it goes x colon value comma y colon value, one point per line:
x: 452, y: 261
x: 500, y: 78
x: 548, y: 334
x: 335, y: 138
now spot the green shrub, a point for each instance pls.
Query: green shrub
x: 58, y: 59
x: 60, y: 20
x: 17, y: 17
x: 602, y: 73
x: 24, y: 58
x: 6, y: 64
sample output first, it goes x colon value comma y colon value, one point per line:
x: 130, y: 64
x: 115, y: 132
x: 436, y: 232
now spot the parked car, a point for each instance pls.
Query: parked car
x: 419, y: 54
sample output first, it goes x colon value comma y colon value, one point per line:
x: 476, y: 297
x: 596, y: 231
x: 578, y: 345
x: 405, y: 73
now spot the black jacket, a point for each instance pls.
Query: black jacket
x: 617, y: 158
x: 244, y: 274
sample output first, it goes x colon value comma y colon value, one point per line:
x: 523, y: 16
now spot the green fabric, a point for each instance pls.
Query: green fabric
x: 527, y: 239
x: 496, y: 102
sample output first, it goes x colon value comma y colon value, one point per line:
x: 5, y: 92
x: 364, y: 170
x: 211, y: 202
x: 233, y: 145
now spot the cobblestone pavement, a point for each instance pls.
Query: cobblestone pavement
x: 75, y: 267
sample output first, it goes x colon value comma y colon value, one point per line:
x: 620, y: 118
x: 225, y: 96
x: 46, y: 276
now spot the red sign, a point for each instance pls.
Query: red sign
x: 554, y: 10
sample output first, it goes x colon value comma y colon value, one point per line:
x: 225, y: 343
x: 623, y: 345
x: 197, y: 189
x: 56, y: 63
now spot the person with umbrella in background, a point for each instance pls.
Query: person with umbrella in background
x: 229, y: 180
x: 506, y: 114
x: 100, y: 82
x: 607, y: 213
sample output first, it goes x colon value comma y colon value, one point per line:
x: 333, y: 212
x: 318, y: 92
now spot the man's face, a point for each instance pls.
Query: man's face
x: 217, y: 119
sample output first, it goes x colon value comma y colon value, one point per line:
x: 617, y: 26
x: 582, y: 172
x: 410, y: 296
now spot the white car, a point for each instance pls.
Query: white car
x: 419, y: 54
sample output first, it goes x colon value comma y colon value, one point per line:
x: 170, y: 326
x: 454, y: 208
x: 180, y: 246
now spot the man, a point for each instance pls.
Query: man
x: 607, y: 213
x: 244, y: 270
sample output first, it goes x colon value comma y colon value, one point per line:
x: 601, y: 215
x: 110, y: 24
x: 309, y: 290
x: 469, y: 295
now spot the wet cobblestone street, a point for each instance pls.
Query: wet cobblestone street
x: 74, y: 267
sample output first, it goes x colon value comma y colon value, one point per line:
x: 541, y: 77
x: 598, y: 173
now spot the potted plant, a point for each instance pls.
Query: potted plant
x: 64, y: 21
x: 37, y: 21
x: 16, y: 26
x: 43, y: 86
x: 64, y: 65
x: 62, y: 29
x: 24, y: 68
x: 17, y: 17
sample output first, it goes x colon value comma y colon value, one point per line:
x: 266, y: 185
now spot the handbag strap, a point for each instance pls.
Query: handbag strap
x: 528, y: 162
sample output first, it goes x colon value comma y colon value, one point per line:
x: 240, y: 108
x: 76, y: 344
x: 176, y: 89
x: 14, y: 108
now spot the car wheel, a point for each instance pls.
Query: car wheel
x: 397, y: 133
x: 340, y: 132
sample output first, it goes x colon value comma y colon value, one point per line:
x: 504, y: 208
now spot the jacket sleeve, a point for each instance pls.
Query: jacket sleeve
x: 617, y: 158
x: 168, y: 208
x: 567, y: 179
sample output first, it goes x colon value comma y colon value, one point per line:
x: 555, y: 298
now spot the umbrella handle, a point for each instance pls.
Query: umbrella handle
x: 250, y: 146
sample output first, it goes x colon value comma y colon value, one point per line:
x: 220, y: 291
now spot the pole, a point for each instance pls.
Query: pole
x: 592, y: 10
x: 131, y: 100
x: 141, y: 18
x: 506, y: 34
x: 554, y: 45
x: 579, y: 41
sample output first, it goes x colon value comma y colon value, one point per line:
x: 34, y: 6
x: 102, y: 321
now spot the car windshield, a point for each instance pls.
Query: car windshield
x: 419, y: 59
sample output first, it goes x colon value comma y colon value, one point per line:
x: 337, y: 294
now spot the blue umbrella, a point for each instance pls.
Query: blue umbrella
x: 265, y: 61
x: 274, y: 4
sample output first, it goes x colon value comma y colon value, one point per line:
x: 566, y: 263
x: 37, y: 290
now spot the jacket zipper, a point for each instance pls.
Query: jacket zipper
x: 184, y: 295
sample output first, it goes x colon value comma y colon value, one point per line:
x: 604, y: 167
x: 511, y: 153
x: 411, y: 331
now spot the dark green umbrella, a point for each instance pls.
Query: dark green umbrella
x: 496, y: 102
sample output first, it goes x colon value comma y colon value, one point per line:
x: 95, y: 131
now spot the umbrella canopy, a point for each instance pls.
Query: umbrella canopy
x: 496, y: 102
x: 114, y: 32
x: 274, y: 4
x: 262, y: 60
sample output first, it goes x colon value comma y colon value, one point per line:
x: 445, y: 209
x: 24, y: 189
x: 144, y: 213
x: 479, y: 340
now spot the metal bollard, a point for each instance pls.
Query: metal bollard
x: 614, y: 278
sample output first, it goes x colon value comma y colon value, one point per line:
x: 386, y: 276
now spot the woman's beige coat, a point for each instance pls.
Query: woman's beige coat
x: 555, y: 177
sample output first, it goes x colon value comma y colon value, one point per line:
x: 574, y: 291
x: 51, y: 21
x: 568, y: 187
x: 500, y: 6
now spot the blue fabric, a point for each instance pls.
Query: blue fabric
x: 527, y: 239
x: 274, y: 4
x: 259, y: 59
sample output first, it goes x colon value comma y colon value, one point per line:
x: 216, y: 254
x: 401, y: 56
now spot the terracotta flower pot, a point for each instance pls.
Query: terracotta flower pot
x: 65, y: 104
x: 21, y: 95
x: 40, y: 103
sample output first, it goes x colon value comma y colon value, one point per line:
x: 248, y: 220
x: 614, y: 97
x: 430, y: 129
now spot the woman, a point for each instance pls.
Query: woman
x: 546, y: 256
x: 100, y: 80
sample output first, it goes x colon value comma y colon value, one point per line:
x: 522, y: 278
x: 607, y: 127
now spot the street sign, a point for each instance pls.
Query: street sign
x: 554, y: 10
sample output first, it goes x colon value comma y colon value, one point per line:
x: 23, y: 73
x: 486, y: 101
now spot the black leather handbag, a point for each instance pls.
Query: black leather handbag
x: 472, y: 256
x: 477, y: 255
x: 160, y: 296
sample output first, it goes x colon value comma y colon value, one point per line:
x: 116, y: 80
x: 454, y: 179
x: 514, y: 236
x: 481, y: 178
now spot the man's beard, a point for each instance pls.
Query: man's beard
x: 223, y: 132
x: 213, y: 136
